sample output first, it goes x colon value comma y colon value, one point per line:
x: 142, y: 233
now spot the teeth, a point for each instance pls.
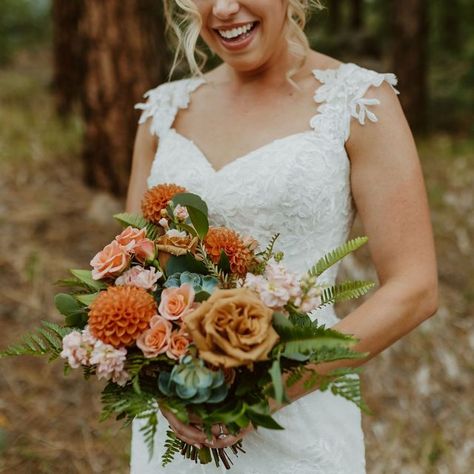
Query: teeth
x: 235, y: 32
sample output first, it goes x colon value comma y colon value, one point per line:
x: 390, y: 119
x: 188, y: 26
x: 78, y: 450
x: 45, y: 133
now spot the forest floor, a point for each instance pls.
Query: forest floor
x: 421, y: 390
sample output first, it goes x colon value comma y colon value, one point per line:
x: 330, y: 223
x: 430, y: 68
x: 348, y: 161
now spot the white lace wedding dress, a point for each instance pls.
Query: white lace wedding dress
x: 298, y: 186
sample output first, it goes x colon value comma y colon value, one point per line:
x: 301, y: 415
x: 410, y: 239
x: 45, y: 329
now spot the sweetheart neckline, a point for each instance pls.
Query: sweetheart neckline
x: 250, y: 153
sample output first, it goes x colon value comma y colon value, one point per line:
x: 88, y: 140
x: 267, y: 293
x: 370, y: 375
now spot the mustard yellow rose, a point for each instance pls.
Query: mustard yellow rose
x: 232, y: 328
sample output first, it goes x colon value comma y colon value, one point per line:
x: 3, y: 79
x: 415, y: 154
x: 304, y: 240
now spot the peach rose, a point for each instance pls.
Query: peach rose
x: 232, y: 328
x: 155, y: 341
x: 178, y: 345
x: 110, y: 261
x: 130, y: 237
x: 144, y: 250
x: 176, y: 302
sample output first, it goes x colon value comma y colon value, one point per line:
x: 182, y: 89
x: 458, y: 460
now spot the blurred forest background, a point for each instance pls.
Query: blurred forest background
x: 70, y: 73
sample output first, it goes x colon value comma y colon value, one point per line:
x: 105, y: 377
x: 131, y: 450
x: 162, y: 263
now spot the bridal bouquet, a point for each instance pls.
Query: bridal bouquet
x: 198, y: 320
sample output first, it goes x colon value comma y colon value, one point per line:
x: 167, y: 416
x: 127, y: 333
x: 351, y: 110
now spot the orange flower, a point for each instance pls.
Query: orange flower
x: 222, y: 239
x: 120, y: 314
x: 156, y: 199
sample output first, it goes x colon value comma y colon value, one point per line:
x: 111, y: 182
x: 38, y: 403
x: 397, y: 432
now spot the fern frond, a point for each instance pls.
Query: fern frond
x: 267, y: 254
x: 345, y: 291
x: 335, y: 255
x: 149, y: 430
x: 47, y: 339
x: 227, y: 280
x: 348, y: 386
x: 135, y: 220
x: 173, y: 446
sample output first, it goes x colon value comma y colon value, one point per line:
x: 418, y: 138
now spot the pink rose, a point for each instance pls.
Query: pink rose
x: 130, y: 237
x: 178, y: 345
x: 139, y: 276
x: 144, y: 250
x: 176, y: 302
x: 110, y: 261
x: 155, y: 341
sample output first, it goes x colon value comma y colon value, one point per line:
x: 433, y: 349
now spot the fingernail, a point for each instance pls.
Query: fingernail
x: 198, y: 446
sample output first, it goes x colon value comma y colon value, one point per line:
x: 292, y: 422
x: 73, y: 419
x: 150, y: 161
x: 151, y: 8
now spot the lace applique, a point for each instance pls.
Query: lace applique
x: 164, y: 101
x: 341, y: 96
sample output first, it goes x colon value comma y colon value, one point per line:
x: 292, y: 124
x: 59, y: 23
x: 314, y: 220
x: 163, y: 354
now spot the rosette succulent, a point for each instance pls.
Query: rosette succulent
x: 193, y: 382
x: 200, y: 283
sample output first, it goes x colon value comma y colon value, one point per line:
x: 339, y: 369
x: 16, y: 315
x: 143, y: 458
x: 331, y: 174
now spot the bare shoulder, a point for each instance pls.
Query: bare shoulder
x: 317, y: 60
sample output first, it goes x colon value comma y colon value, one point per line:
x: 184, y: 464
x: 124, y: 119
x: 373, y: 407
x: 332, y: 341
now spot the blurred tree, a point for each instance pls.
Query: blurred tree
x: 68, y: 58
x: 124, y: 54
x: 357, y: 14
x: 410, y: 36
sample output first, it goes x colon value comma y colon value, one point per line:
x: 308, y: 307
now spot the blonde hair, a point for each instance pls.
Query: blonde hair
x: 184, y: 23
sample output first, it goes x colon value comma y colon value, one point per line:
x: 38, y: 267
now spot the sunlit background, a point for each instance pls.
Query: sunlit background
x: 70, y: 72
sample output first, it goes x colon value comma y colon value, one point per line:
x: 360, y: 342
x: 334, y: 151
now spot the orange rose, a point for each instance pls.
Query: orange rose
x: 111, y: 261
x: 155, y: 341
x: 232, y: 328
x: 176, y: 302
x: 174, y: 243
x: 178, y: 345
x: 130, y: 236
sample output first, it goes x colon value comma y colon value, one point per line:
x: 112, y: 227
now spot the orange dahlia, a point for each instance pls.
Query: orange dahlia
x: 120, y: 314
x: 223, y: 239
x: 156, y: 199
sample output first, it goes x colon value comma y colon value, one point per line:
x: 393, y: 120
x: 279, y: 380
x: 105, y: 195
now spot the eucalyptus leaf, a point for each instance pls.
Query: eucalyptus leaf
x: 182, y: 263
x: 87, y: 299
x: 66, y: 304
x: 85, y: 276
x: 197, y: 210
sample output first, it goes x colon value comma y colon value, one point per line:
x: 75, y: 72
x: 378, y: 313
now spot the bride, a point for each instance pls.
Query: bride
x: 280, y: 138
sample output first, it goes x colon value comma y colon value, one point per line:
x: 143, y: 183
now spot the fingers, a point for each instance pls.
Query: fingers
x: 188, y: 433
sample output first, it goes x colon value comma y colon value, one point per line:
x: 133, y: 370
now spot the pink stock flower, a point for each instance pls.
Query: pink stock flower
x: 155, y: 340
x: 141, y: 277
x: 109, y: 362
x: 181, y: 212
x: 176, y: 302
x: 77, y: 347
x: 178, y: 346
x: 110, y: 261
x: 130, y: 237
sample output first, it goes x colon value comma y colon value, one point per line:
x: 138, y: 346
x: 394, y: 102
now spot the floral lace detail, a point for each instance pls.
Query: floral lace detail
x: 164, y: 101
x: 298, y: 186
x: 342, y: 97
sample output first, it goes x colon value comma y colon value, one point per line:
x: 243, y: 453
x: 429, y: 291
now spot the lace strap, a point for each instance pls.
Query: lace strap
x: 163, y: 102
x: 342, y: 97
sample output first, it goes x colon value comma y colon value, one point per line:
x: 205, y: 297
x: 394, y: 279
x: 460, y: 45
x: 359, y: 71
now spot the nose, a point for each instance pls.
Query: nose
x: 224, y: 9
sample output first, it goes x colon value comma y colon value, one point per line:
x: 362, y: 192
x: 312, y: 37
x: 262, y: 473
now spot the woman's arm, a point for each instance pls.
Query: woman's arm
x: 389, y: 192
x: 143, y: 153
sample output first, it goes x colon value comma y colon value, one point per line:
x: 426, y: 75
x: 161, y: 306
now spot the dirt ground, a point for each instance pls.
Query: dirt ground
x: 421, y: 390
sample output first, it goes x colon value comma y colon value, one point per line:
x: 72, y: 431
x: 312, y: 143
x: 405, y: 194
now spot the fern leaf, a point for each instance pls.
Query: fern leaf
x: 345, y: 291
x: 149, y: 430
x: 47, y: 339
x: 173, y: 446
x: 335, y: 255
x: 267, y: 254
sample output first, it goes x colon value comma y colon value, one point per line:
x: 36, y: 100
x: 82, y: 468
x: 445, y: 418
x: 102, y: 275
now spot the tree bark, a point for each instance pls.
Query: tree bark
x: 410, y: 30
x: 125, y: 54
x: 335, y: 16
x: 68, y: 61
x: 357, y: 14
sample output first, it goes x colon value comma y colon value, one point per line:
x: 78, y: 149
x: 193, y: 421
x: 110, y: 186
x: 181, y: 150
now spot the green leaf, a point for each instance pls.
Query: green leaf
x: 266, y: 421
x: 85, y: 276
x: 66, y: 304
x: 197, y: 210
x: 275, y: 373
x: 182, y: 263
x: 335, y: 255
x: 201, y: 296
x: 345, y: 291
x: 224, y: 262
x: 139, y: 222
x: 87, y: 299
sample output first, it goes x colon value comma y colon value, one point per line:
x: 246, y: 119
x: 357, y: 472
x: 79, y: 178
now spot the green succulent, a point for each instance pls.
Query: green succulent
x: 193, y: 382
x: 200, y: 283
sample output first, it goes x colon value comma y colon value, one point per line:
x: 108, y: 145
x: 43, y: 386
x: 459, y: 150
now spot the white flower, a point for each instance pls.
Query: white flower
x: 164, y: 223
x: 176, y: 233
x: 141, y: 277
x: 109, y: 362
x: 77, y: 347
x: 181, y: 212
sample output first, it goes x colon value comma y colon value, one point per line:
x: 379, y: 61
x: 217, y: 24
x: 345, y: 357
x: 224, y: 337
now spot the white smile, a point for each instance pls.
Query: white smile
x: 236, y: 32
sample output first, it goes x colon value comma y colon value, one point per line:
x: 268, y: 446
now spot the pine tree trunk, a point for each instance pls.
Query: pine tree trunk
x: 68, y: 60
x: 125, y: 55
x: 335, y: 15
x: 357, y: 14
x: 410, y: 28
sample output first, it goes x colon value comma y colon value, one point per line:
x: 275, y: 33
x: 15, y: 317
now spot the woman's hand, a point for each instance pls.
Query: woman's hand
x: 193, y: 433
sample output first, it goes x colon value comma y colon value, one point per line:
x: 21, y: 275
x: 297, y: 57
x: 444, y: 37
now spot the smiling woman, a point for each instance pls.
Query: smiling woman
x: 283, y: 139
x: 187, y: 17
